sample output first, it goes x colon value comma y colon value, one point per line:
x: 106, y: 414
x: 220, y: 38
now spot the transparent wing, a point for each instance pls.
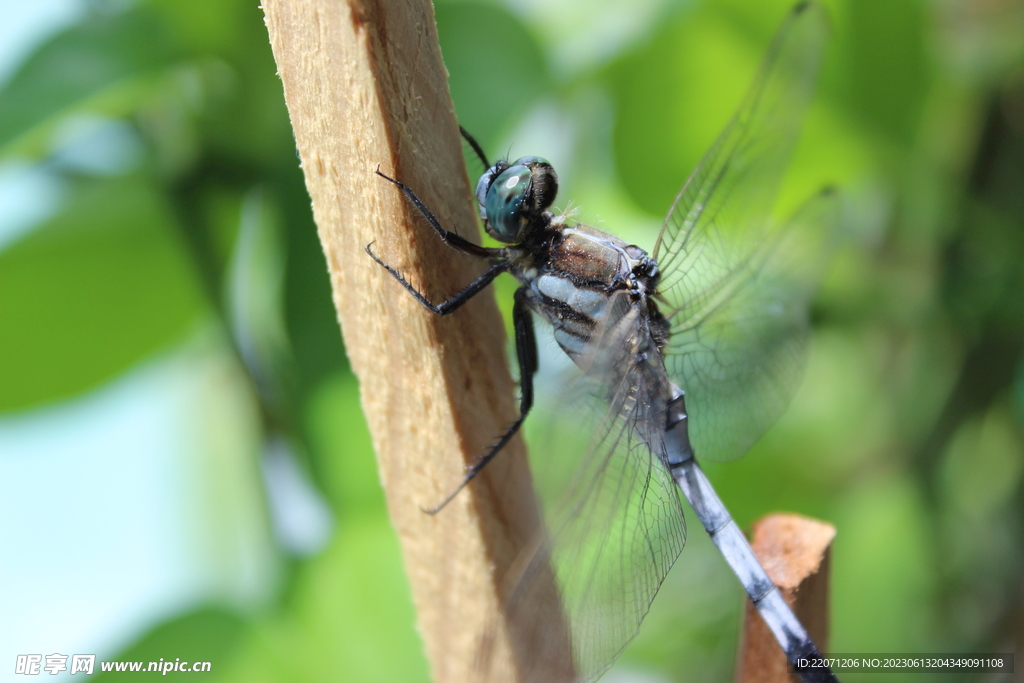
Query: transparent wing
x: 726, y: 202
x: 739, y: 358
x: 735, y: 299
x: 614, y: 516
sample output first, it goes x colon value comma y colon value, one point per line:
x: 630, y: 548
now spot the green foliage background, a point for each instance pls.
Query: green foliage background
x: 907, y: 433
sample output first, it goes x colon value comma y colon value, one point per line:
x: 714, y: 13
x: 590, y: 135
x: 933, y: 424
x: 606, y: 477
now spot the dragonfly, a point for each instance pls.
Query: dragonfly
x: 693, y: 348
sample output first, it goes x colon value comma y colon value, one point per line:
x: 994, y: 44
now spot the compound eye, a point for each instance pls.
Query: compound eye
x: 484, y: 184
x: 512, y: 197
x: 505, y: 202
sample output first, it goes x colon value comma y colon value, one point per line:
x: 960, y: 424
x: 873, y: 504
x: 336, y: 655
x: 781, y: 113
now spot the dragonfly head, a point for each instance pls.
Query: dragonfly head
x: 513, y: 195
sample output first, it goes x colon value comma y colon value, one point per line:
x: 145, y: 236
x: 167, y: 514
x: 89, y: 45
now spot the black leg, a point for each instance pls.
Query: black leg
x: 476, y: 147
x: 452, y: 304
x: 526, y: 354
x: 452, y: 239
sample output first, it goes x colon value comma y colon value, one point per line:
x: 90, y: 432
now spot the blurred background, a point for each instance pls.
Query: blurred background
x: 184, y: 468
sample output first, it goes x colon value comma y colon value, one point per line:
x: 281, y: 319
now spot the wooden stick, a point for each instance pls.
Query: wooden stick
x: 365, y: 87
x: 796, y: 553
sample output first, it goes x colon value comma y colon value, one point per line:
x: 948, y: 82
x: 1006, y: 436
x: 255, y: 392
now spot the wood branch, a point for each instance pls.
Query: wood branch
x: 796, y: 553
x: 365, y: 87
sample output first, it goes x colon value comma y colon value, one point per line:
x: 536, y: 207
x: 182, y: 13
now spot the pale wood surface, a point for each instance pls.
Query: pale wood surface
x: 365, y: 86
x: 796, y: 552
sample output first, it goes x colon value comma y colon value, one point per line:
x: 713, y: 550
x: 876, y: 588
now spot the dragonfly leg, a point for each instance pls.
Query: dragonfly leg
x: 452, y: 239
x: 449, y: 305
x: 476, y: 147
x: 526, y: 355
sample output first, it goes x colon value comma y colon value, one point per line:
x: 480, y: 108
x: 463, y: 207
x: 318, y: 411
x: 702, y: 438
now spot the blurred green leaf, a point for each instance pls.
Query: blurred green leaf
x: 238, y: 101
x: 883, y: 570
x: 208, y: 634
x: 339, y: 433
x: 104, y: 54
x: 500, y: 66
x: 887, y: 79
x: 350, y: 619
x: 99, y: 287
x: 668, y: 116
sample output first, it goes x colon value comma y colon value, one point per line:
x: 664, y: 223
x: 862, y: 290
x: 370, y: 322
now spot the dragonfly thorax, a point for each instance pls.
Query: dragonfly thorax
x: 581, y: 272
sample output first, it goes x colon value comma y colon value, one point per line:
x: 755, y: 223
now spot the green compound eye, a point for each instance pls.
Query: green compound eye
x: 505, y: 200
x: 517, y: 195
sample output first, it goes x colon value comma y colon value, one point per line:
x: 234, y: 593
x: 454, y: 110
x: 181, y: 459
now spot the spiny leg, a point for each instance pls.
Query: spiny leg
x: 452, y: 239
x: 526, y: 341
x: 449, y: 305
x: 526, y: 355
x: 476, y: 147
